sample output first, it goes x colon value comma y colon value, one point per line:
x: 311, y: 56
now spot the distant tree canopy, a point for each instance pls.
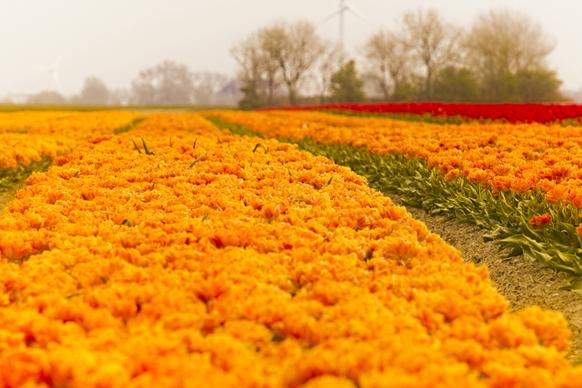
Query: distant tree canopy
x: 168, y: 83
x: 387, y: 57
x: 501, y: 57
x: 433, y: 43
x: 172, y: 83
x: 94, y: 92
x: 538, y: 85
x: 346, y: 85
x: 47, y: 97
x: 281, y: 55
x: 329, y: 63
x: 455, y: 84
x: 505, y: 49
x: 206, y: 86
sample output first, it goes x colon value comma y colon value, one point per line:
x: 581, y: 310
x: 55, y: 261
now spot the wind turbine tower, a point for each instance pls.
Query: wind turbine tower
x: 55, y: 74
x: 343, y: 8
x: 341, y: 11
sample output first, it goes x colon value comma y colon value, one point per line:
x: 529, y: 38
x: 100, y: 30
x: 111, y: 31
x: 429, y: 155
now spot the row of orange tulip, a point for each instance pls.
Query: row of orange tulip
x: 20, y: 121
x: 17, y: 149
x: 27, y: 137
x: 518, y: 157
x: 177, y: 255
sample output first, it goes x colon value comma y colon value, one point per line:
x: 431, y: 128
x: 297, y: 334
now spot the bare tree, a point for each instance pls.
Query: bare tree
x: 168, y: 83
x: 331, y: 60
x: 206, y: 85
x: 258, y: 59
x: 271, y: 41
x: 250, y: 58
x: 500, y: 45
x: 282, y: 53
x: 434, y: 43
x: 289, y: 50
x: 389, y: 62
x: 300, y: 50
x: 507, y: 41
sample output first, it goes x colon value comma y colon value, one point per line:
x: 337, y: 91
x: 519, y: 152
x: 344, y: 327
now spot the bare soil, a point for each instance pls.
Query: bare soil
x: 523, y: 282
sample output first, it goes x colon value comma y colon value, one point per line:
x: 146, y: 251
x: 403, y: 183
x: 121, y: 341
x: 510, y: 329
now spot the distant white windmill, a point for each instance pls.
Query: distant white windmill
x: 48, y: 75
x: 342, y: 9
x: 55, y: 73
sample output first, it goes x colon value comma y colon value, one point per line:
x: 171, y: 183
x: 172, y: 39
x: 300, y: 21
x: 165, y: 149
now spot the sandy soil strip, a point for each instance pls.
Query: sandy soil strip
x: 520, y: 280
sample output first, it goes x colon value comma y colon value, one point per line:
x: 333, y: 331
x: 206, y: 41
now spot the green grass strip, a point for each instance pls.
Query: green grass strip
x: 428, y: 118
x: 424, y: 118
x: 504, y: 214
x: 11, y: 178
x: 126, y: 128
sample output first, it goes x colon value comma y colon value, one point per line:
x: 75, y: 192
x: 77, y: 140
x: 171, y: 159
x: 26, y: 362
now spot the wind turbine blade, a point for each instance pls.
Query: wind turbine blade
x: 355, y: 12
x: 329, y: 17
x: 55, y: 73
x: 57, y: 81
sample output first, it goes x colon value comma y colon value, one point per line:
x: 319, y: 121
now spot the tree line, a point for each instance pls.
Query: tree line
x: 501, y: 57
x: 167, y: 83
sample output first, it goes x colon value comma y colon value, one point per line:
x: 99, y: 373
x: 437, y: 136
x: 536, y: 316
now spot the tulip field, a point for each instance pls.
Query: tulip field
x: 459, y: 112
x: 262, y: 249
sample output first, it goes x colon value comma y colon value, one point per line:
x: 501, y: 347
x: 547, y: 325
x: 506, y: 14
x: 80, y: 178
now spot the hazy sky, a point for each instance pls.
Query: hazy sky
x: 115, y: 39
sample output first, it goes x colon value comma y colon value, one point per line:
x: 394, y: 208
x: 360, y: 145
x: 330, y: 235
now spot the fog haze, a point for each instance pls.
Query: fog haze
x: 56, y: 44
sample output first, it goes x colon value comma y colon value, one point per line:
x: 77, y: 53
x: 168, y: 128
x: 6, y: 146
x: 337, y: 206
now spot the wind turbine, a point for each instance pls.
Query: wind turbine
x: 54, y: 70
x: 342, y: 9
x: 49, y: 73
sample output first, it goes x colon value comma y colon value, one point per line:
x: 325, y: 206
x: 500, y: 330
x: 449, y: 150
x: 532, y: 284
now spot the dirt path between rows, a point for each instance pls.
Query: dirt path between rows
x: 522, y: 281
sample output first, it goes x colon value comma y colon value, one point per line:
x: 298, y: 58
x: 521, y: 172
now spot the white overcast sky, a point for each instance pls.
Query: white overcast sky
x: 115, y: 39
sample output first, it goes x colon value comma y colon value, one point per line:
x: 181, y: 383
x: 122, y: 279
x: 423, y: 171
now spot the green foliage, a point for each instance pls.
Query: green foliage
x: 199, y: 158
x: 405, y: 90
x: 428, y: 118
x: 523, y: 86
x: 538, y: 85
x: 251, y: 98
x: 425, y: 118
x: 499, y: 87
x: 454, y: 84
x: 11, y: 178
x: 346, y: 85
x: 233, y: 128
x: 126, y: 128
x: 145, y: 147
